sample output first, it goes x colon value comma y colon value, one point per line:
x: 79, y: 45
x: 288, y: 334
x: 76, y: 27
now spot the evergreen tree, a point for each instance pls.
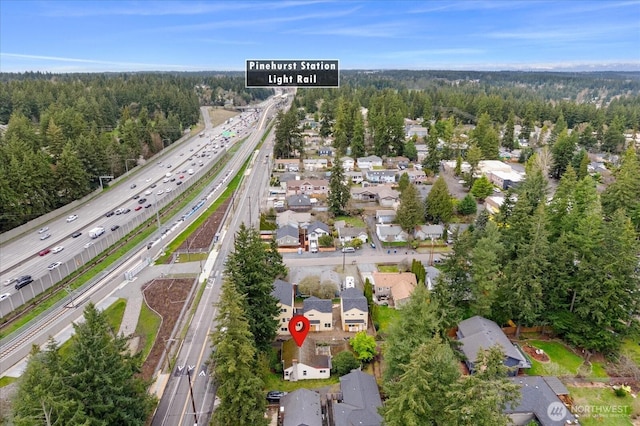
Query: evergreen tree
x: 357, y: 142
x: 73, y: 182
x: 253, y: 267
x: 467, y: 206
x: 624, y: 193
x: 587, y: 138
x: 613, y: 140
x: 482, y: 188
x: 339, y: 193
x: 438, y: 205
x: 563, y: 151
x: 410, y: 150
x: 411, y: 210
x: 509, y: 137
x: 486, y: 270
x: 288, y: 140
x: 403, y: 182
x: 234, y: 364
x: 486, y: 137
x: 431, y: 162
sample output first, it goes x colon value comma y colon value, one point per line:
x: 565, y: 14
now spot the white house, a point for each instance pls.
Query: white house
x: 312, y: 164
x: 381, y: 176
x: 354, y: 177
x: 369, y: 162
x: 306, y: 362
x: 347, y: 163
x: 391, y: 233
x: 348, y: 234
x: 385, y: 216
x: 428, y: 232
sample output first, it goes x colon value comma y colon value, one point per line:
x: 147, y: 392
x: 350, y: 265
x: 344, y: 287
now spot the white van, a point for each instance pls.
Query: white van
x: 348, y: 250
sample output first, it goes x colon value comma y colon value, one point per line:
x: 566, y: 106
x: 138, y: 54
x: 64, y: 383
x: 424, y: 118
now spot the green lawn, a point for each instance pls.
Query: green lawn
x: 631, y: 349
x: 356, y: 222
x: 148, y: 325
x: 6, y: 381
x: 276, y: 382
x: 562, y: 362
x: 385, y: 316
x: 388, y: 268
x: 603, y: 399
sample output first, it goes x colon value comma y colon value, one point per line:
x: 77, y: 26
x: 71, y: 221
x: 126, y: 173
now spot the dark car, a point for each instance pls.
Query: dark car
x: 23, y: 281
x: 133, y: 185
x: 154, y: 185
x: 147, y: 206
x: 114, y: 227
x: 142, y: 200
x: 138, y: 208
x: 179, y: 182
x: 44, y: 252
x: 135, y: 197
x: 110, y: 214
x: 76, y: 234
x: 274, y: 396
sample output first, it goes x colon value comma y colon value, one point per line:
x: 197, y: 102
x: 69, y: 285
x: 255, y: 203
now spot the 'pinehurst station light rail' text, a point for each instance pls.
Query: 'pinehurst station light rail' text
x: 292, y: 66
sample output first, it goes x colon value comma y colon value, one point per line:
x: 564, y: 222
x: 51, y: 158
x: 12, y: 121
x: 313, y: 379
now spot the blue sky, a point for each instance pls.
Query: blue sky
x: 95, y: 36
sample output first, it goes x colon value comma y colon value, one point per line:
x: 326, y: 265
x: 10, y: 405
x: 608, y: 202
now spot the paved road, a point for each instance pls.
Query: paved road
x: 176, y: 404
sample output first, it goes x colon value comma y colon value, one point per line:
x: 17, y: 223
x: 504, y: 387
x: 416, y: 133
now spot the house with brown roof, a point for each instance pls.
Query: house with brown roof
x: 309, y: 361
x: 287, y: 165
x: 396, y: 287
x: 308, y: 187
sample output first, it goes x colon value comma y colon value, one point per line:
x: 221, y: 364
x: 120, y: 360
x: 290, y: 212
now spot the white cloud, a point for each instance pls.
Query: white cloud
x: 56, y: 60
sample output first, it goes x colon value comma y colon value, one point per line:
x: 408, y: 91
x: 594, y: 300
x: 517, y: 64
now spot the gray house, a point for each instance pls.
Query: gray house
x: 287, y: 236
x: 540, y: 400
x: 299, y: 202
x: 360, y: 401
x: 478, y: 333
x: 301, y: 408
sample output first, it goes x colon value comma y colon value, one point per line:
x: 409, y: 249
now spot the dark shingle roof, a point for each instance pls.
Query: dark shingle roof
x: 283, y: 291
x: 536, y: 398
x: 301, y: 407
x: 299, y: 200
x: 360, y: 401
x: 286, y: 230
x: 320, y: 305
x: 478, y: 333
x: 353, y: 298
x: 318, y: 225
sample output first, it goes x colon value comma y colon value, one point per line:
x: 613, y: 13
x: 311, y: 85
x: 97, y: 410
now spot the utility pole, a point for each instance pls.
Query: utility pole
x: 193, y: 401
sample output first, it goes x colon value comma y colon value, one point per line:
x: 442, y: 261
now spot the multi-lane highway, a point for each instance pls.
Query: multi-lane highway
x: 158, y: 181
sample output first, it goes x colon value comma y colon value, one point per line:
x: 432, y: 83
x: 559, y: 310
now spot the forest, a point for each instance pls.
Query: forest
x: 60, y: 132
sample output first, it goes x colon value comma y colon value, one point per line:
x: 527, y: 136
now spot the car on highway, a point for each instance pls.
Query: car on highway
x: 147, y: 206
x: 275, y: 396
x: 142, y: 200
x: 71, y: 218
x: 147, y: 192
x: 133, y: 185
x: 43, y: 230
x: 154, y: 185
x: 125, y: 211
x: 138, y: 208
x: 4, y: 296
x: 76, y: 234
x: 10, y: 281
x: 23, y: 281
x: 135, y: 197
x: 160, y: 192
x: 111, y: 213
x: 169, y: 166
x: 167, y: 190
x: 45, y: 236
x: 57, y: 249
x: 181, y: 176
x: 54, y: 265
x: 114, y: 227
x: 165, y: 180
x: 44, y: 252
x: 89, y: 244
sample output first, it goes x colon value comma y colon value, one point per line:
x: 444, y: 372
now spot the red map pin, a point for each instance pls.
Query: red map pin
x: 299, y: 327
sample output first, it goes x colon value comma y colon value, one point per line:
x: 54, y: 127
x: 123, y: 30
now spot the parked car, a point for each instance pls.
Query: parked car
x: 76, y: 234
x: 54, y: 265
x: 44, y: 252
x: 71, y: 218
x: 57, y: 249
x: 348, y: 250
x: 43, y: 230
x: 373, y: 245
x: 275, y: 396
x: 45, y: 236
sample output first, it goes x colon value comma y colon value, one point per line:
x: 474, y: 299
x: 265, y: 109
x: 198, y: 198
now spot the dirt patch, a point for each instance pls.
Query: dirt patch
x: 202, y: 237
x: 536, y: 353
x: 166, y: 297
x: 220, y: 115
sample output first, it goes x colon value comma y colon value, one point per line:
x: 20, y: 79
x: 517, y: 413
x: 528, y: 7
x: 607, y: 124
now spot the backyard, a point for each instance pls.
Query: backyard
x: 563, y: 362
x: 598, y: 405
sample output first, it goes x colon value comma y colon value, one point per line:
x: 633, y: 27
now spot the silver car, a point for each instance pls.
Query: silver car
x: 45, y: 236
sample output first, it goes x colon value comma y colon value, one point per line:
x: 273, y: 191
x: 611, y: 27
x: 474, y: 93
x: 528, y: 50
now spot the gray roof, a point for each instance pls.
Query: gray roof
x: 301, y: 408
x: 287, y: 230
x: 556, y: 385
x: 431, y: 229
x: 320, y: 305
x: 381, y: 173
x: 360, y: 401
x: 283, y: 291
x: 536, y: 398
x: 478, y: 333
x: 348, y: 231
x: 298, y: 200
x: 318, y: 225
x: 353, y: 298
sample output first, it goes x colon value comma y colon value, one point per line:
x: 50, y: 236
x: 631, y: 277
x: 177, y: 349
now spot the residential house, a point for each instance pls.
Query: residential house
x: 385, y: 216
x: 287, y: 165
x: 398, y: 162
x: 428, y: 232
x: 347, y: 163
x: 354, y: 177
x: 319, y: 312
x: 348, y: 234
x: 283, y: 292
x: 288, y: 236
x: 301, y: 408
x: 391, y: 234
x: 367, y: 194
x: 396, y: 287
x: 384, y: 195
x: 354, y: 310
x: 432, y: 276
x: 387, y: 197
x: 414, y: 130
x: 314, y: 231
x: 325, y: 151
x: 313, y: 164
x: 299, y: 203
x: 308, y: 187
x: 369, y: 162
x: 478, y: 333
x: 541, y: 402
x: 306, y: 362
x: 416, y: 176
x: 360, y: 401
x: 423, y: 151
x: 381, y: 176
x: 297, y: 219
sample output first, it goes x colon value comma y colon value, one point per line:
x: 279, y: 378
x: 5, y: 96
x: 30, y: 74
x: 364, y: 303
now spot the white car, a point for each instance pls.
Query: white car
x: 54, y: 266
x: 72, y: 218
x: 89, y: 244
x: 167, y: 190
x: 160, y: 192
x: 45, y: 236
x: 147, y: 192
x: 4, y: 296
x: 57, y: 249
x: 43, y: 230
x: 10, y: 281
